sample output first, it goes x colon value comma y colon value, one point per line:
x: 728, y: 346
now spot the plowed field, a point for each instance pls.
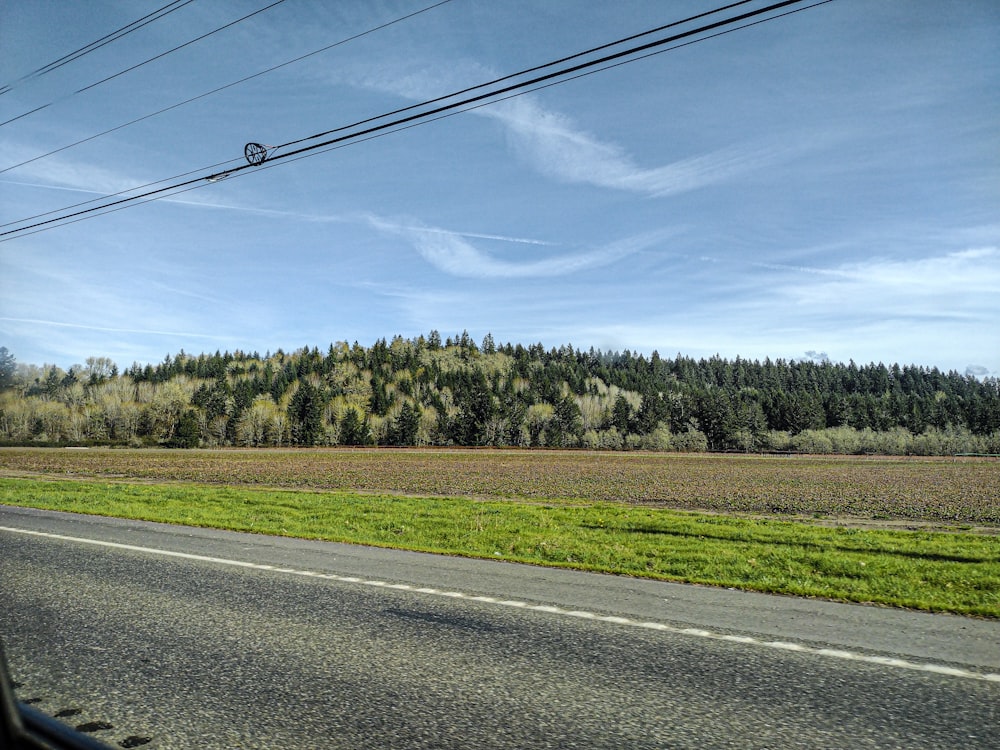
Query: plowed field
x: 941, y: 491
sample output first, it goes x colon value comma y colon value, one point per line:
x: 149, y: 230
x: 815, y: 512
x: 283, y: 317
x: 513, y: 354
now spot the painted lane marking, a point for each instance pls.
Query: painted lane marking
x: 884, y: 661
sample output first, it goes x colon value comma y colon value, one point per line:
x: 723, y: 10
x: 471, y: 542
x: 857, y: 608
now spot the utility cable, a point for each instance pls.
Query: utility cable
x: 218, y: 164
x: 267, y: 164
x: 144, y: 62
x: 123, y: 192
x: 97, y: 44
x: 230, y: 85
x: 396, y: 111
x: 511, y: 87
x: 607, y: 61
x: 526, y: 71
x: 410, y: 121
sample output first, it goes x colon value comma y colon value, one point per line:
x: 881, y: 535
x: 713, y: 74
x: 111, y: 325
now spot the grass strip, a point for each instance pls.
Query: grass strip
x: 934, y: 571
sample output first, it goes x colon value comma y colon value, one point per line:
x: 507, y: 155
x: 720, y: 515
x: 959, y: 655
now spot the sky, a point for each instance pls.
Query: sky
x: 825, y: 185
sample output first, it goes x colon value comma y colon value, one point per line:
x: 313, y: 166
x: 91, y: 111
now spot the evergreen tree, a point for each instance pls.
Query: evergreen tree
x: 188, y: 432
x: 8, y: 366
x: 476, y: 409
x: 566, y: 427
x: 354, y: 429
x: 716, y: 417
x: 655, y: 410
x: 621, y: 415
x: 305, y: 412
x: 379, y: 402
x: 406, y: 425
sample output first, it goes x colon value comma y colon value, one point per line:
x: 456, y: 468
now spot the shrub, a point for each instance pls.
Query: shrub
x: 812, y: 441
x: 692, y: 441
x: 776, y: 440
x: 659, y: 439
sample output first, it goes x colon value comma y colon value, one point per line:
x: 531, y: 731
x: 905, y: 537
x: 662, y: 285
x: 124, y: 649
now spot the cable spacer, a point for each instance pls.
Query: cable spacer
x: 255, y: 153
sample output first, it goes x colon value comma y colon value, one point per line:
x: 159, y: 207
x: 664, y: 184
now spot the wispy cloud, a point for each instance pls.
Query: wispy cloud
x: 48, y: 186
x: 553, y: 144
x: 874, y: 310
x: 879, y: 309
x: 556, y: 147
x: 64, y: 173
x: 168, y: 290
x: 70, y: 302
x: 454, y: 254
x: 80, y: 326
x: 72, y: 174
x: 947, y: 283
x: 500, y: 237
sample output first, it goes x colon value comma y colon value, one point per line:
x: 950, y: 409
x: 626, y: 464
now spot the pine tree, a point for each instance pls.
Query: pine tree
x: 305, y: 412
x: 354, y: 430
x: 405, y: 428
x: 8, y: 366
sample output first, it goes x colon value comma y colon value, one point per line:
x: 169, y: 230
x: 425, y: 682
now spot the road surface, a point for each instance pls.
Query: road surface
x: 174, y: 637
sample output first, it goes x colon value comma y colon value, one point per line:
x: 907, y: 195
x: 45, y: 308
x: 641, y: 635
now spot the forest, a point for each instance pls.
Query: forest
x: 427, y: 391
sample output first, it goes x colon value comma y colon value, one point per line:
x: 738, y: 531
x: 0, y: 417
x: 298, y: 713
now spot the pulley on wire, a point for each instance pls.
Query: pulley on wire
x: 256, y: 153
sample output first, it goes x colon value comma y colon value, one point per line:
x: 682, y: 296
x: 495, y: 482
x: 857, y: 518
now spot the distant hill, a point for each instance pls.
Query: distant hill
x: 426, y: 391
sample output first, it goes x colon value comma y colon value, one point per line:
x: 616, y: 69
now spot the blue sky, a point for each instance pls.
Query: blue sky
x: 826, y: 183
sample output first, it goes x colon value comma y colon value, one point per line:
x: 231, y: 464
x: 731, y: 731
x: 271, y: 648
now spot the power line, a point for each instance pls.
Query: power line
x: 526, y: 71
x: 395, y: 112
x: 230, y: 85
x: 576, y: 71
x: 144, y: 62
x: 516, y: 86
x: 412, y: 120
x: 218, y: 164
x: 267, y: 164
x: 97, y: 44
x: 386, y: 114
x: 121, y: 192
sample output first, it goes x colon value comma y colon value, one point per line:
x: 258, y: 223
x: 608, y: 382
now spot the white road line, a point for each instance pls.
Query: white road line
x: 547, y: 608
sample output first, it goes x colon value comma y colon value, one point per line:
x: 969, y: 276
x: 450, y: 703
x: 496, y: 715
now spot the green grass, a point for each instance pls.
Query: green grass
x: 933, y: 571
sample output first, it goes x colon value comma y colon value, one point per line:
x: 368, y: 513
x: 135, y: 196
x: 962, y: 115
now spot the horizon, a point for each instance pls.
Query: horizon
x: 816, y: 358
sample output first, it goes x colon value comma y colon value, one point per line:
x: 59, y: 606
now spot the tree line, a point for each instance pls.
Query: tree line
x: 429, y: 391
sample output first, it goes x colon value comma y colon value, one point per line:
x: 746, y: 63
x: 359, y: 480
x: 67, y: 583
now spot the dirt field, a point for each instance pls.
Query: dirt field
x: 867, y: 491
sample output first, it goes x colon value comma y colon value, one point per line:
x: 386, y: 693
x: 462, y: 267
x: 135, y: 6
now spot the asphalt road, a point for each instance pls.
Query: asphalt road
x: 173, y: 637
